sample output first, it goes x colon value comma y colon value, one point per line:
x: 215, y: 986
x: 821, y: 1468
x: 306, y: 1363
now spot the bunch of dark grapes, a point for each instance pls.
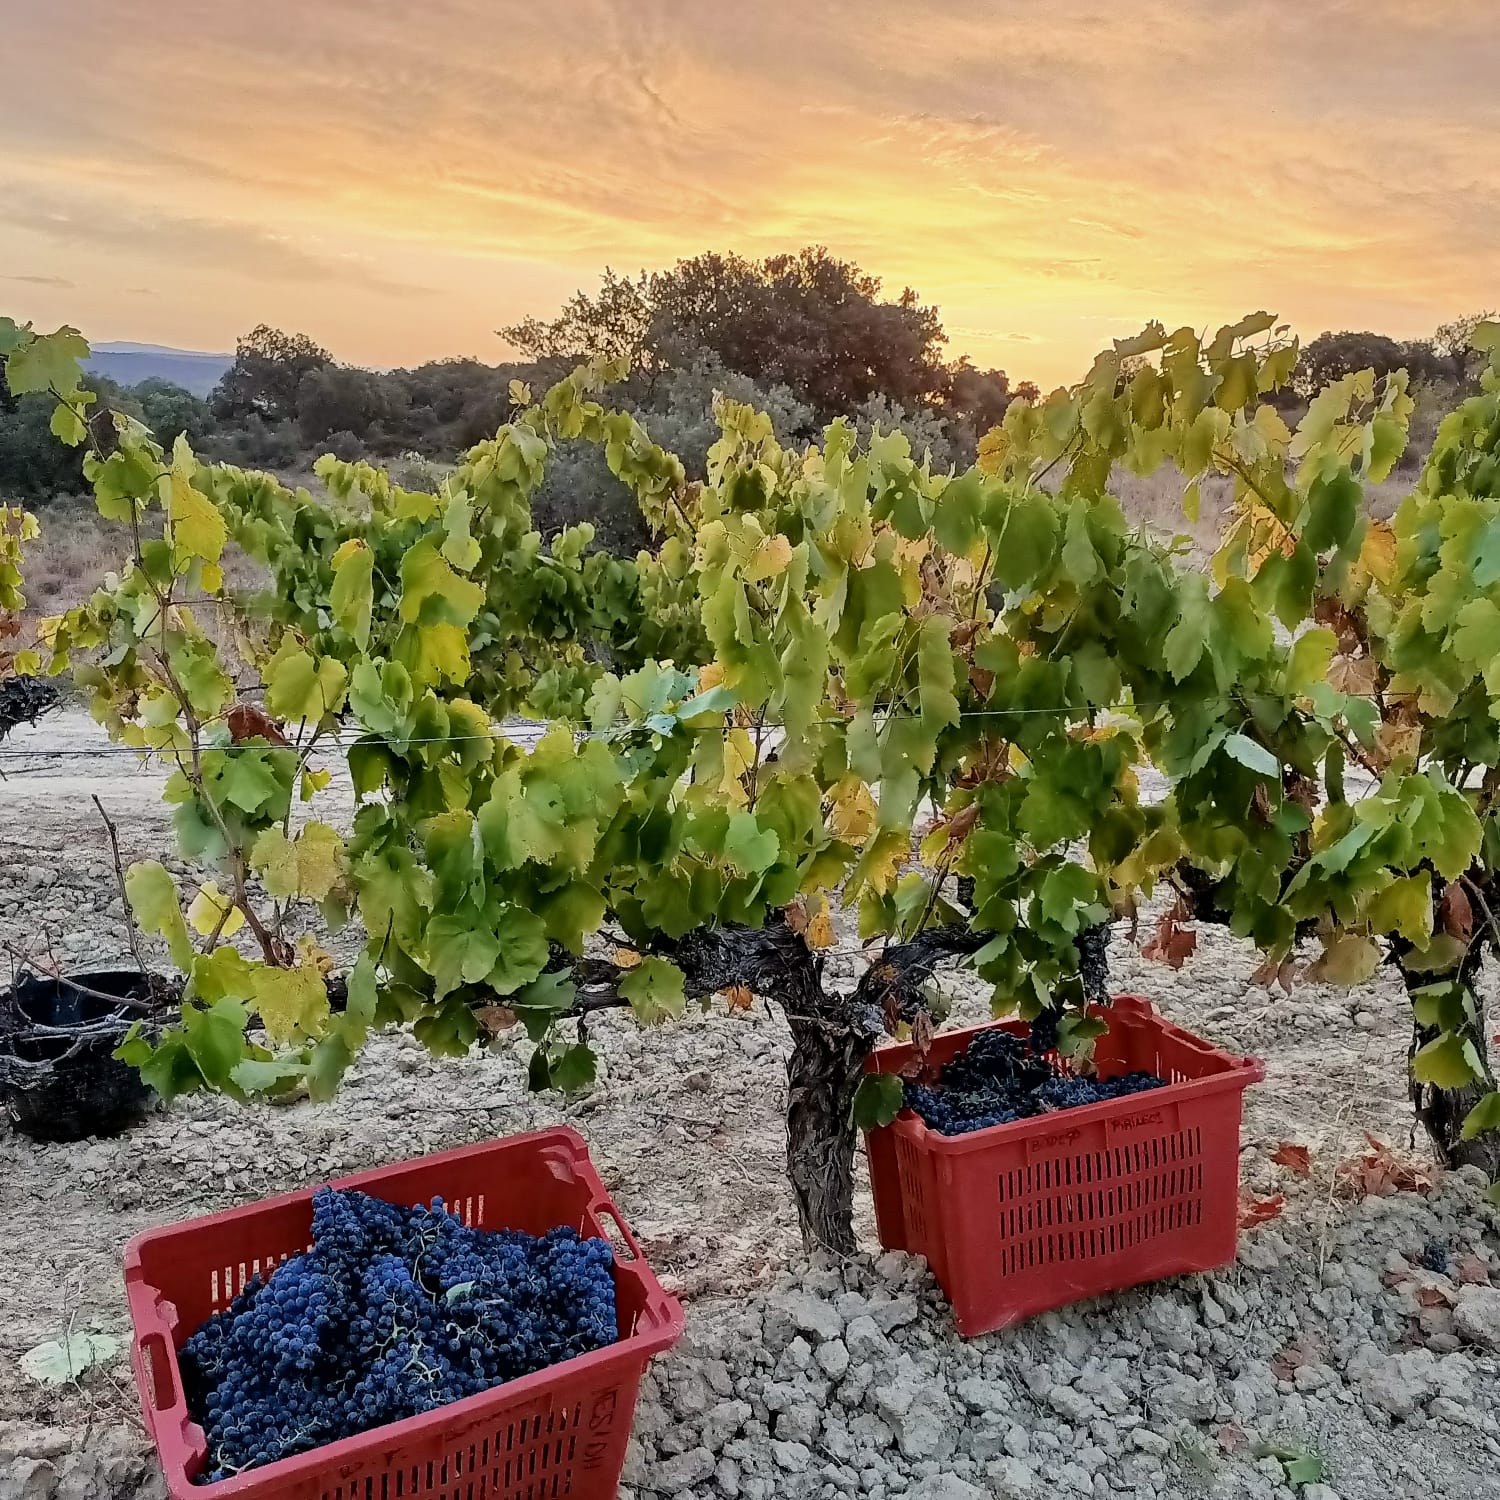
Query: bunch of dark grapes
x: 1000, y: 1077
x: 394, y: 1311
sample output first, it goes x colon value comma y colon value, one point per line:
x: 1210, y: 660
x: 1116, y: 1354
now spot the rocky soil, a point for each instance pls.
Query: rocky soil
x: 1363, y: 1333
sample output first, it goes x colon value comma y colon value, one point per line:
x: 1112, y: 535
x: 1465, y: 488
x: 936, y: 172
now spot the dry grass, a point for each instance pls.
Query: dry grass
x: 77, y: 547
x: 1155, y: 502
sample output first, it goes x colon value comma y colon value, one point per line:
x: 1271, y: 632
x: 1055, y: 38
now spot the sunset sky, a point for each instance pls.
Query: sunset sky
x: 400, y: 177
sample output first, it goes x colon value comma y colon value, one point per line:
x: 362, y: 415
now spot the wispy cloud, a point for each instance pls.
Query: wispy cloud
x: 1044, y: 174
x: 58, y: 281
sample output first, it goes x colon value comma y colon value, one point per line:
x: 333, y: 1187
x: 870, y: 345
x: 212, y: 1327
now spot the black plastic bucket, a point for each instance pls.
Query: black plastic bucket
x: 58, y: 1077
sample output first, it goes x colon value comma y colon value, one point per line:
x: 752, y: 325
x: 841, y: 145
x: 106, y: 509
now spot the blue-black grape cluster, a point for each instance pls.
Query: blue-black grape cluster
x: 1000, y: 1077
x: 394, y: 1311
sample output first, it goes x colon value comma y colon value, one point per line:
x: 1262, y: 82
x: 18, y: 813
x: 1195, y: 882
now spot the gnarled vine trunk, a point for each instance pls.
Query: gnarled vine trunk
x: 832, y: 1035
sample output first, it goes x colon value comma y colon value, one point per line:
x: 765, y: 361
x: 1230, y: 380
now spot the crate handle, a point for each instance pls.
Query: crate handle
x: 155, y: 1375
x: 604, y: 1209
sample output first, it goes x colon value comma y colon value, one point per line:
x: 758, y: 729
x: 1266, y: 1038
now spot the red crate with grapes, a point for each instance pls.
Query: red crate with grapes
x: 1081, y: 1198
x: 532, y: 1203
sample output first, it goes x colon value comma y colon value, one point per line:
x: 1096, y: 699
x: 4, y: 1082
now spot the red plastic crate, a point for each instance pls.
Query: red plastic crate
x: 559, y: 1431
x: 1020, y: 1218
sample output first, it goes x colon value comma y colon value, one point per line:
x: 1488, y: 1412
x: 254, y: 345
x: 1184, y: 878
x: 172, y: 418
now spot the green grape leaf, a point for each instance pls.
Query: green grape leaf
x: 1253, y: 755
x: 329, y: 1062
x: 12, y: 336
x: 196, y: 528
x: 1080, y: 562
x: 299, y: 688
x: 362, y: 992
x: 540, y: 1004
x: 879, y: 1098
x: 1405, y: 907
x: 1447, y: 1062
x: 1310, y: 658
x: 1476, y: 636
x: 1185, y: 642
x: 956, y: 520
x: 214, y: 1039
x: 257, y: 1075
x: 1333, y: 511
x: 432, y: 593
x: 1022, y: 532
x: 47, y: 362
x: 67, y: 426
x: 152, y: 894
x: 573, y: 1068
x: 1485, y: 1116
x: 655, y: 989
x: 224, y: 974
x: 521, y: 942
x: 750, y: 848
x: 62, y: 1361
x: 460, y: 950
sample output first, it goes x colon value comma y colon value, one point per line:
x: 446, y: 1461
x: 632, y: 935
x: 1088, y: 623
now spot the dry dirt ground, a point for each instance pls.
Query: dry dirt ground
x: 685, y: 1126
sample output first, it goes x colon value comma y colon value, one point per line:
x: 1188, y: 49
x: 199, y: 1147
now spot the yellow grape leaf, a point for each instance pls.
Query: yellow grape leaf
x: 299, y: 687
x: 311, y: 866
x: 819, y: 932
x: 878, y: 864
x: 1346, y: 958
x: 770, y: 558
x: 320, y: 860
x: 196, y: 527
x: 313, y: 782
x: 319, y: 958
x: 352, y: 596
x: 290, y: 1002
x: 276, y: 861
x: 1397, y: 742
x: 710, y: 676
x: 994, y: 449
x: 627, y: 958
x: 854, y: 812
x: 1378, y: 555
x: 212, y: 578
x: 212, y: 906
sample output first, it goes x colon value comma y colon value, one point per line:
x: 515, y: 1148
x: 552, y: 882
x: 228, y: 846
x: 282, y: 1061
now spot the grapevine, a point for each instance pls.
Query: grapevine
x: 742, y: 726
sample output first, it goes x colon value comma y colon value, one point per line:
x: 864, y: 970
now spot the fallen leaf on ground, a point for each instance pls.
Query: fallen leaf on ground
x: 1471, y: 1269
x: 1302, y: 1351
x: 61, y: 1360
x: 1379, y: 1172
x: 1294, y: 1158
x: 1254, y: 1211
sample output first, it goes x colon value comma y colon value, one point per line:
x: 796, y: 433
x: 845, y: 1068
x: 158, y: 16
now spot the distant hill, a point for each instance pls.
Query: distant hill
x: 132, y: 363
